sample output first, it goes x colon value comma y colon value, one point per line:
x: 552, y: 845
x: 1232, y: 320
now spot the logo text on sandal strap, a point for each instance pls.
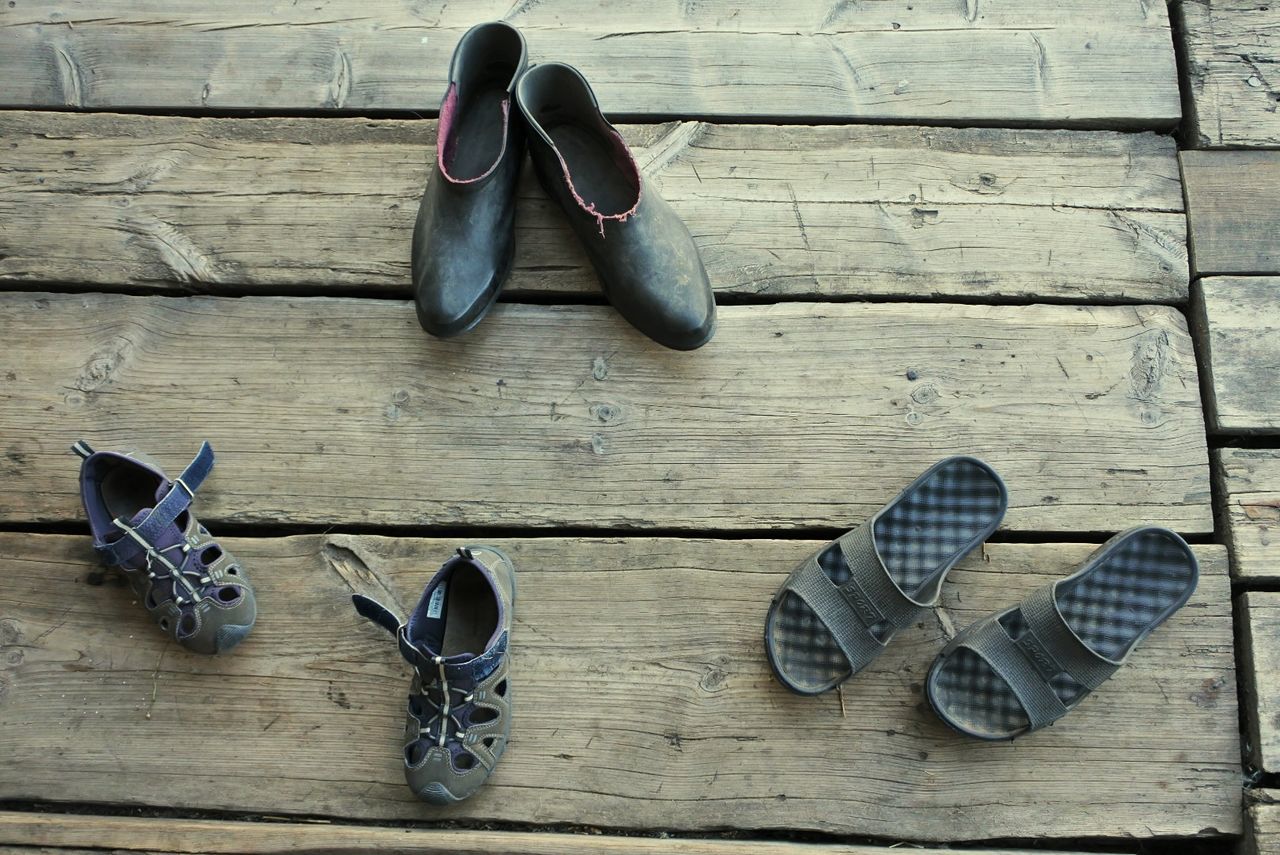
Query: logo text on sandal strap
x: 861, y: 604
x: 1038, y: 655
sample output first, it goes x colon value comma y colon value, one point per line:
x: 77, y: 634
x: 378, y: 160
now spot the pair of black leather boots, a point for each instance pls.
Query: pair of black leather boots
x: 464, y: 239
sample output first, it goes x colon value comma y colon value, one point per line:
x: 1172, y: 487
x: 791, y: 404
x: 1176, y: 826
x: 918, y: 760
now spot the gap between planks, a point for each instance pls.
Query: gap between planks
x: 231, y: 837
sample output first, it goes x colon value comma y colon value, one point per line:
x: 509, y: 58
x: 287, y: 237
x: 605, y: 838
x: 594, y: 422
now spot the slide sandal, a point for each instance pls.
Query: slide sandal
x: 843, y: 604
x: 1028, y: 666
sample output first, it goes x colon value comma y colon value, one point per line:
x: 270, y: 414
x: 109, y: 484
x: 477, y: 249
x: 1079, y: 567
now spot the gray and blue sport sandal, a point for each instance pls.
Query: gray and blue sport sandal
x: 459, y: 713
x: 142, y: 524
x: 1028, y: 666
x: 840, y: 608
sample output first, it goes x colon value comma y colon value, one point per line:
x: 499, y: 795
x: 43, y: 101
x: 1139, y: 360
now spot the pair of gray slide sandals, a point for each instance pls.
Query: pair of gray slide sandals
x: 1010, y: 673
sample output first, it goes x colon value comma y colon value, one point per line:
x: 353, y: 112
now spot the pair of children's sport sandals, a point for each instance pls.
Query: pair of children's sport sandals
x: 459, y: 713
x: 1009, y: 674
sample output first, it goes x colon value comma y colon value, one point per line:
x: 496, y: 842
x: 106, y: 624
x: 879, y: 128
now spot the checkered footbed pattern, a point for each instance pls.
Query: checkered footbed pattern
x: 1110, y: 607
x: 915, y: 537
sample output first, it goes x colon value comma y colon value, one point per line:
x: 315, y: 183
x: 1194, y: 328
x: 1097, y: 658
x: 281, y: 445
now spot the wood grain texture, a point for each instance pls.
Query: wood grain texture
x: 1238, y: 324
x: 1232, y: 47
x: 1262, y: 824
x: 643, y: 700
x: 332, y: 411
x: 1248, y: 480
x: 1233, y: 214
x: 1260, y: 666
x: 305, y: 205
x: 219, y: 837
x: 995, y: 61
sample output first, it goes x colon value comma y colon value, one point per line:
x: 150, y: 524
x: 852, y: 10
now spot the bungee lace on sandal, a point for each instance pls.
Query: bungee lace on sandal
x: 459, y: 714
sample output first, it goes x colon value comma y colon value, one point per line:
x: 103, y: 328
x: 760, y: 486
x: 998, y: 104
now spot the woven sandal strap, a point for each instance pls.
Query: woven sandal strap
x: 828, y: 602
x: 1050, y: 630
x: 1023, y: 672
x: 867, y: 601
x: 870, y: 584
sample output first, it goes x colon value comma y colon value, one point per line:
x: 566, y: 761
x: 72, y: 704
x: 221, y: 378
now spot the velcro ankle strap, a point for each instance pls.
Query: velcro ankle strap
x: 181, y: 492
x: 376, y: 612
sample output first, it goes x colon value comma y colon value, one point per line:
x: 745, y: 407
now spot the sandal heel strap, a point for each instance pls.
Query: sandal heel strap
x: 375, y: 611
x: 181, y: 492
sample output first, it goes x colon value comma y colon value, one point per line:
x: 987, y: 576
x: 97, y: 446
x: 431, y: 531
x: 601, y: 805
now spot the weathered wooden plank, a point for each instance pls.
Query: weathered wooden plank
x: 1233, y: 213
x: 1238, y: 323
x: 1232, y: 47
x: 217, y: 837
x: 797, y: 415
x: 1262, y: 823
x: 645, y: 700
x: 236, y: 206
x: 1260, y: 666
x: 936, y: 61
x: 1248, y: 481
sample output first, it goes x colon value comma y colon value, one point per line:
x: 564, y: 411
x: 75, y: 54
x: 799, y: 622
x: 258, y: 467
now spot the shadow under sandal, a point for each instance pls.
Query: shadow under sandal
x: 142, y: 524
x: 648, y: 264
x: 459, y: 714
x: 1026, y: 667
x: 842, y: 606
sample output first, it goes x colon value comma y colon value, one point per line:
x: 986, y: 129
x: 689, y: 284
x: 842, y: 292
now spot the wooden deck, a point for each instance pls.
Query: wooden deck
x: 1044, y: 233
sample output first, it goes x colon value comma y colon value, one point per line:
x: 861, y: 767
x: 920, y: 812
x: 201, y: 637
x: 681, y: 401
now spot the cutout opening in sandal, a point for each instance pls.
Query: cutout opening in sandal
x: 482, y: 715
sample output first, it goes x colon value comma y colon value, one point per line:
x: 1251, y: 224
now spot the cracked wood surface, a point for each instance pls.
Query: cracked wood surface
x: 1249, y: 482
x: 1260, y: 676
x: 285, y: 205
x: 342, y: 411
x: 1233, y: 211
x: 1232, y: 49
x: 1239, y: 330
x: 1262, y: 823
x: 221, y: 837
x: 1106, y: 64
x: 644, y: 700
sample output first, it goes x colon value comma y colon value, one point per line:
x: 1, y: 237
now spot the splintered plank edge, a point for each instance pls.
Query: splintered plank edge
x: 1249, y: 482
x: 1238, y: 324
